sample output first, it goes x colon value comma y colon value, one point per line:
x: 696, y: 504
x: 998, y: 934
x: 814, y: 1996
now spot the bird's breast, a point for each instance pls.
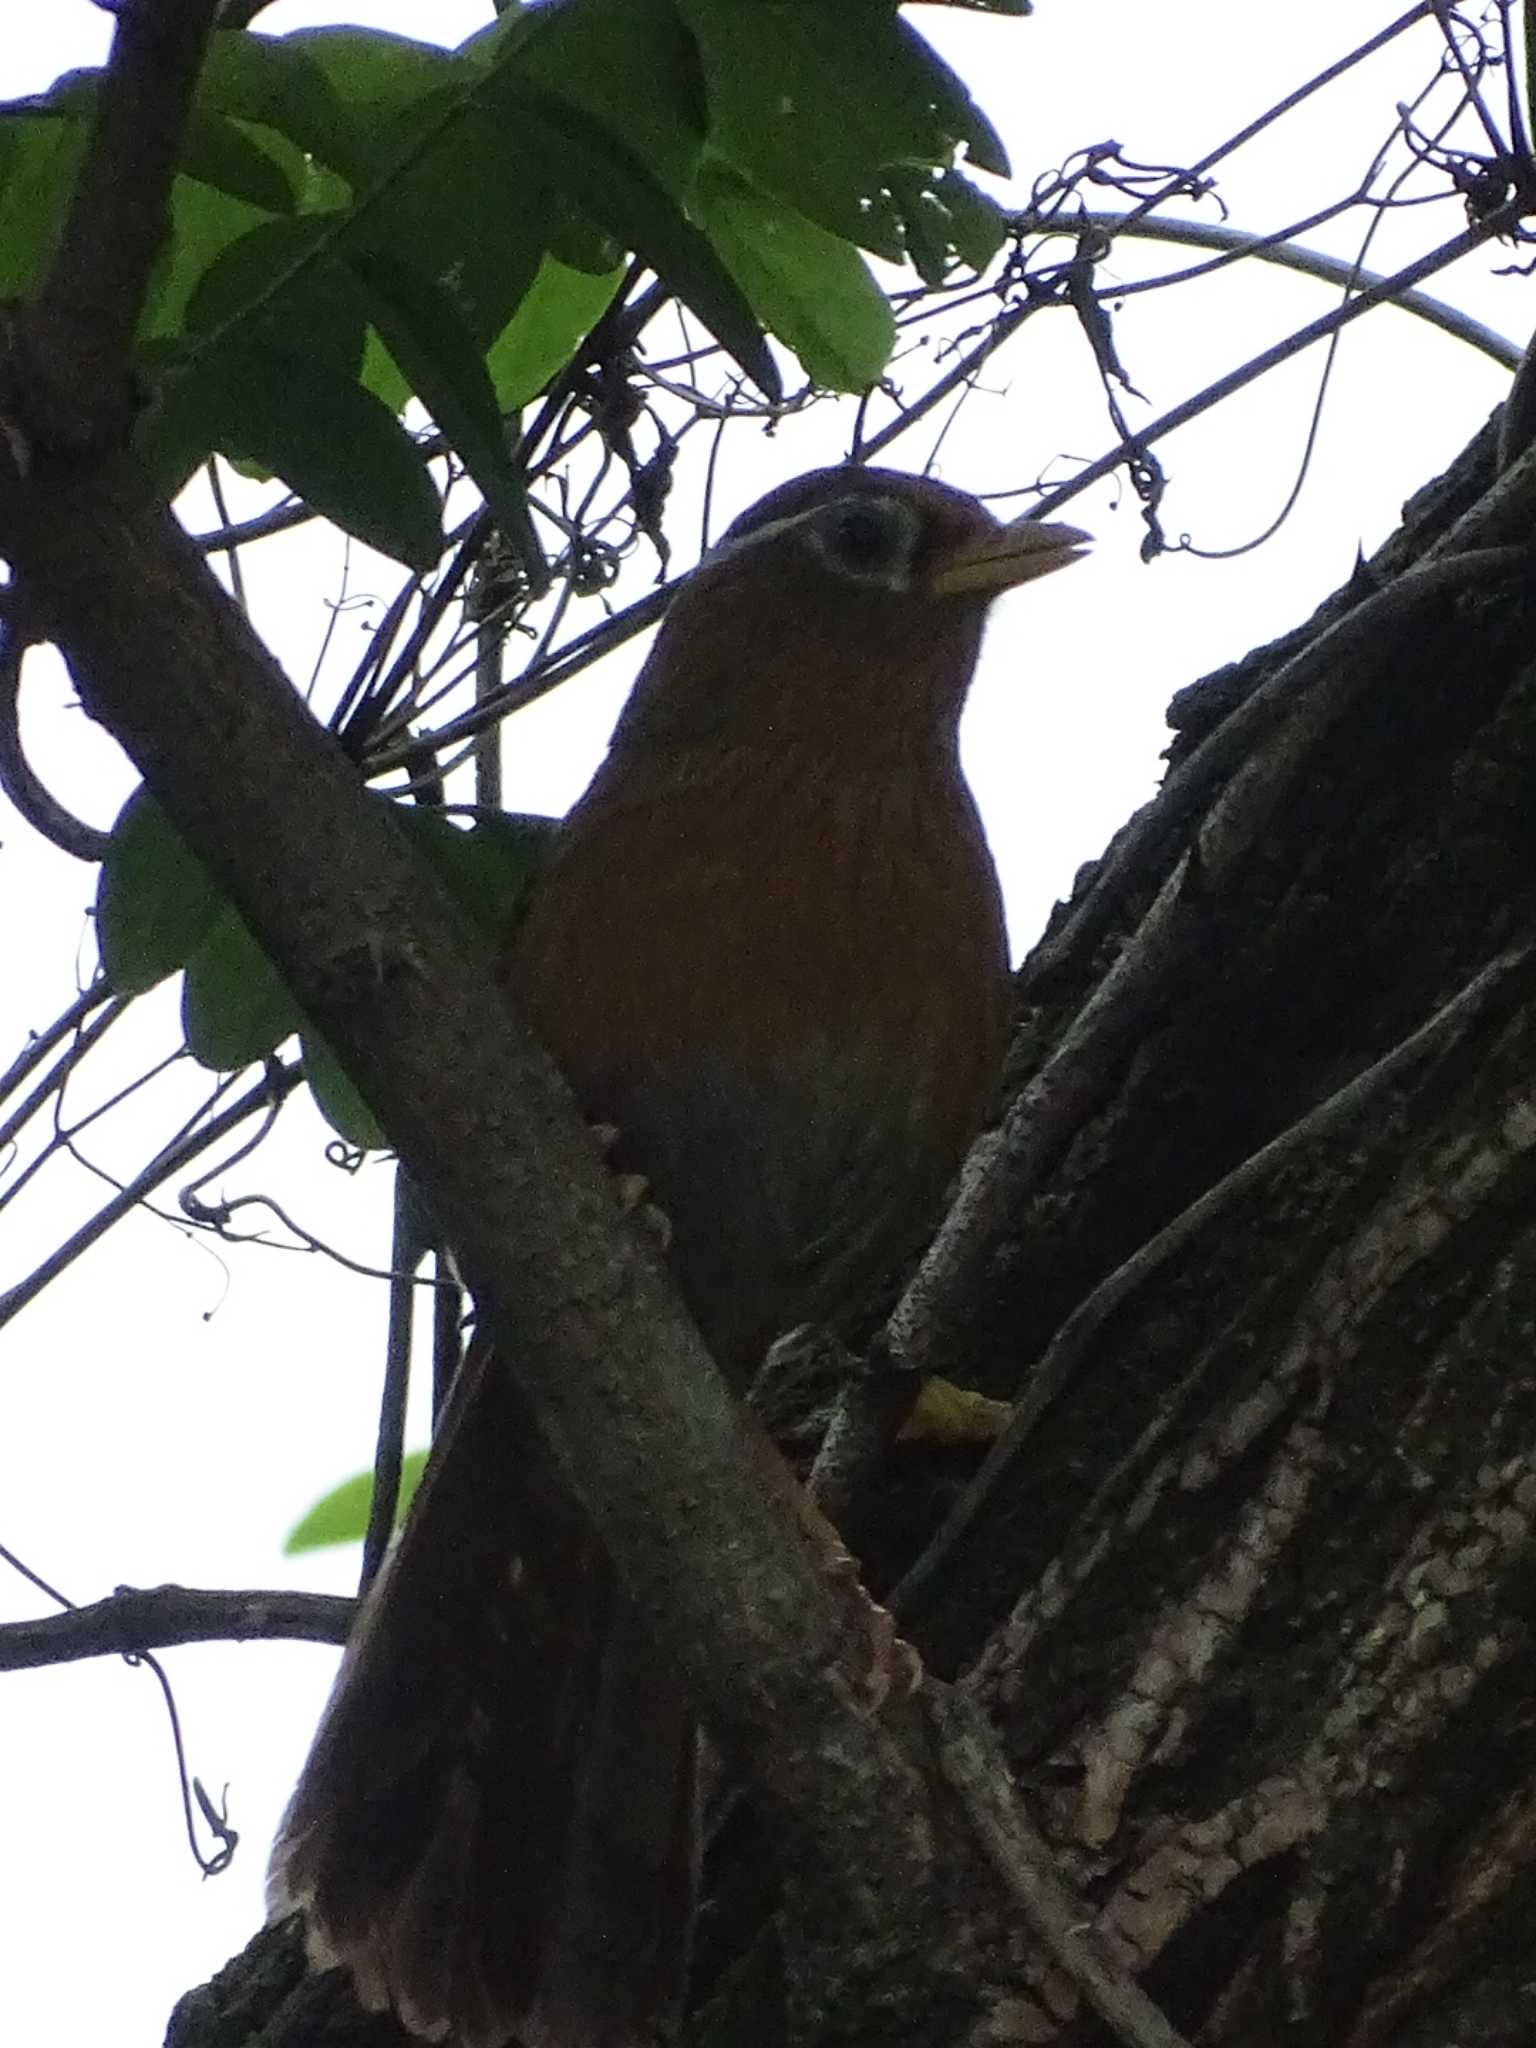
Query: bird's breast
x: 786, y: 989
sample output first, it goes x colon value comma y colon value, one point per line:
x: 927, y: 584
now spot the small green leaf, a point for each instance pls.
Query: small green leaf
x: 422, y: 329
x: 944, y: 214
x: 560, y: 311
x: 924, y: 221
x: 978, y: 225
x: 231, y: 157
x: 336, y: 1097
x: 235, y: 1007
x: 329, y: 440
x: 809, y: 287
x: 341, y: 1516
x: 382, y: 375
x: 155, y: 900
x: 488, y: 866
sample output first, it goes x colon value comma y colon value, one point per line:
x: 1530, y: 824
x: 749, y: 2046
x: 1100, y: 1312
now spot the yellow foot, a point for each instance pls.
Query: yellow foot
x: 946, y: 1414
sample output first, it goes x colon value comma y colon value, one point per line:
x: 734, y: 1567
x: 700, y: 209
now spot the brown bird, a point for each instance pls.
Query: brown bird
x: 768, y: 949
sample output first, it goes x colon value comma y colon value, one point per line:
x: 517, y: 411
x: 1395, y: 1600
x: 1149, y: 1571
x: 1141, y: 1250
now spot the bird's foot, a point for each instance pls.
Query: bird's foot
x: 946, y: 1414
x: 633, y: 1192
x: 883, y: 1664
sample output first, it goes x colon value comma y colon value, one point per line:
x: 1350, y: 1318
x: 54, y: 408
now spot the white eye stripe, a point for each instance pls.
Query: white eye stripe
x: 725, y: 548
x: 818, y: 522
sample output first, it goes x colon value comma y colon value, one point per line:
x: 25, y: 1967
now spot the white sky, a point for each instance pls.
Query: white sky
x: 169, y: 1410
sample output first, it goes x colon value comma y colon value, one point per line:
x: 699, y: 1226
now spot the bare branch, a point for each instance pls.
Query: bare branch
x: 1288, y: 255
x: 42, y: 811
x: 162, y: 1617
x: 38, y: 1048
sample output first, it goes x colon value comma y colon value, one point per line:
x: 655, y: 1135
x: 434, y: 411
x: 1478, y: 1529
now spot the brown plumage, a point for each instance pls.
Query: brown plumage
x: 768, y: 948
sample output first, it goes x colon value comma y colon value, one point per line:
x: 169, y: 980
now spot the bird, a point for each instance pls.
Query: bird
x: 767, y: 949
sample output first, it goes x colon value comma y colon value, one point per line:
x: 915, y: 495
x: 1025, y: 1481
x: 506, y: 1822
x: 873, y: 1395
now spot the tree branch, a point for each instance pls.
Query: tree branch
x: 82, y: 325
x: 42, y: 811
x: 162, y: 1617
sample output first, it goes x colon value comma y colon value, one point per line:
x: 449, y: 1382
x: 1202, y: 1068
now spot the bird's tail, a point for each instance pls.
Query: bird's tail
x: 495, y: 1831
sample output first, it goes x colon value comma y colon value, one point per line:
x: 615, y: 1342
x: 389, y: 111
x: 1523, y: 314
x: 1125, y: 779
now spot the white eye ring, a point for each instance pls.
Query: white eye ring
x: 868, y: 538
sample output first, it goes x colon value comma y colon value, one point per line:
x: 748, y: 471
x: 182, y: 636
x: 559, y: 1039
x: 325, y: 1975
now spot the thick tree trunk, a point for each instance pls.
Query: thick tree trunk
x: 1246, y: 1589
x: 1250, y: 1603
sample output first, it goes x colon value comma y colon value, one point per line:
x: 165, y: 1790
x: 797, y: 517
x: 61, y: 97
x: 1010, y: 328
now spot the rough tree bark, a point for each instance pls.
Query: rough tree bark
x: 1249, y: 1602
x: 1245, y: 1591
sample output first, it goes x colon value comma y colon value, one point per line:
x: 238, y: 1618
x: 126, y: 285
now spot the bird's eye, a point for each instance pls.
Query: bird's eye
x: 871, y: 539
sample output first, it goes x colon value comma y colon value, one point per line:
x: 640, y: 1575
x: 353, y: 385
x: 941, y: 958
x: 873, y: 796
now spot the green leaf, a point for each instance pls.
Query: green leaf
x: 329, y: 440
x: 336, y: 1097
x: 632, y: 69
x: 421, y: 327
x: 274, y: 288
x: 814, y: 103
x: 235, y: 1006
x: 41, y: 162
x: 925, y: 220
x: 281, y: 286
x: 560, y: 311
x: 453, y: 168
x: 424, y: 163
x: 944, y: 214
x: 155, y: 900
x: 614, y: 187
x: 487, y: 867
x: 204, y: 223
x: 341, y: 1516
x: 216, y: 151
x: 273, y: 80
x: 375, y: 80
x: 978, y: 225
x: 382, y: 375
x: 235, y: 159
x: 809, y: 287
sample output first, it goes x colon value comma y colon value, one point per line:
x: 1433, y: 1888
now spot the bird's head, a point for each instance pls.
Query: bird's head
x: 849, y: 602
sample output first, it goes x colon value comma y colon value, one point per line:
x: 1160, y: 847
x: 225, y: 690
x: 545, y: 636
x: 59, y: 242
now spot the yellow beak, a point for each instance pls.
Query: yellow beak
x: 1008, y: 555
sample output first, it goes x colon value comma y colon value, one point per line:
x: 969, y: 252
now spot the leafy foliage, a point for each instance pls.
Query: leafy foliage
x: 330, y: 264
x: 329, y: 260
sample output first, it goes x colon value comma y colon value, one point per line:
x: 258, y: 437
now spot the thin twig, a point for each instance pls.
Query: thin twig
x: 37, y: 804
x: 1237, y: 245
x: 42, y: 1044
x: 56, y: 1077
x: 162, y: 1617
x: 973, y: 1763
x: 278, y: 1082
